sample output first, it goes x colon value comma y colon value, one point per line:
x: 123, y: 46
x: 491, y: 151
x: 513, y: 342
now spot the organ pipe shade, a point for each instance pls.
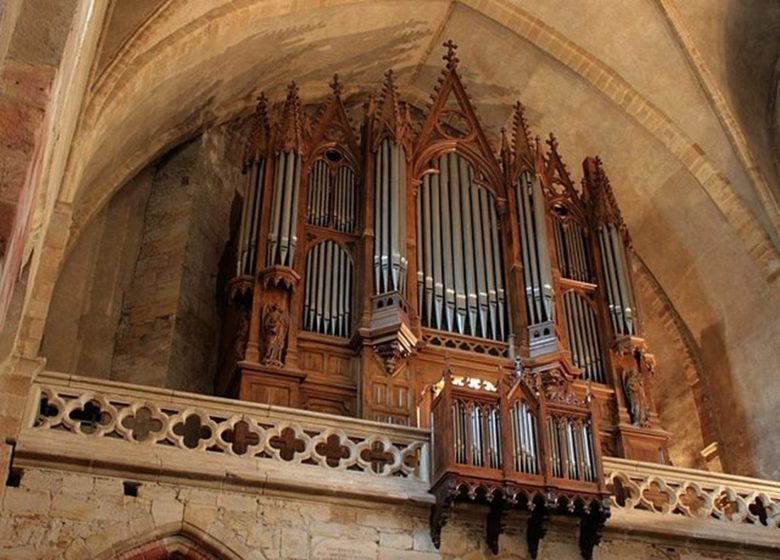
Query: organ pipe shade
x: 620, y: 296
x: 250, y: 219
x: 327, y: 305
x: 282, y: 236
x: 390, y: 218
x: 459, y: 258
x: 331, y: 200
x: 537, y: 271
x: 572, y: 248
x: 583, y: 336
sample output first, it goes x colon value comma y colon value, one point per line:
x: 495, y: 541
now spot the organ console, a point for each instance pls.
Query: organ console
x: 412, y: 273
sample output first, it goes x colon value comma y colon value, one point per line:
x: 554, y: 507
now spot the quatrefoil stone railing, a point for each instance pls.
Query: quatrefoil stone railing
x: 724, y: 502
x: 126, y: 430
x: 255, y: 444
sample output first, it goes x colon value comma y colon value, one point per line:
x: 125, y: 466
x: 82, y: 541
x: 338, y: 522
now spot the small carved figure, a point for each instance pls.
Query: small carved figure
x: 634, y: 387
x: 275, y: 322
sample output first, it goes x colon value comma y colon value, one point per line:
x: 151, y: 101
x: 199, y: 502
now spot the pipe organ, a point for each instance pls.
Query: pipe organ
x: 522, y: 283
x: 460, y: 269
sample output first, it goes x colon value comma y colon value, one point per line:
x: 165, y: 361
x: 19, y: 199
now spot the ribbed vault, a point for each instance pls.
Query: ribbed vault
x: 618, y: 84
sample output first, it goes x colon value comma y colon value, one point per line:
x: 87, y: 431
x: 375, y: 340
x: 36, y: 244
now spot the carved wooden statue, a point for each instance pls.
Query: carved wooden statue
x: 275, y: 325
x: 638, y: 406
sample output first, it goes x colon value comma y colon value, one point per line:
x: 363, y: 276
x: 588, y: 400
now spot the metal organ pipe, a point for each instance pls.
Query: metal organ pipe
x: 390, y: 262
x: 327, y: 306
x: 619, y: 292
x: 331, y: 200
x: 524, y: 438
x: 583, y: 336
x: 461, y: 270
x: 282, y: 236
x: 536, y: 260
x: 250, y: 219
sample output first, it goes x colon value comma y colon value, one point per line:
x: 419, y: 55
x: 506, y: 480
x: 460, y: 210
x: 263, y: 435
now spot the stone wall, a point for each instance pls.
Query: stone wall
x: 54, y: 515
x: 169, y: 328
x: 137, y: 299
x: 677, y: 390
x: 88, y: 299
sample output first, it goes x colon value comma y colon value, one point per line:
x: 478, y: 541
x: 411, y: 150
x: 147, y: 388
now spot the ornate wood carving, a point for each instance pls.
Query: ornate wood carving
x: 435, y: 251
x: 275, y: 324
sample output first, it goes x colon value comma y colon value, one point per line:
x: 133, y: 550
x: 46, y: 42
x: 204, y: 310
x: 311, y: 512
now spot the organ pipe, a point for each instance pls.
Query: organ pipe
x: 327, y: 306
x: 390, y: 262
x: 250, y: 220
x: 331, y: 201
x: 461, y: 269
x: 573, y: 258
x: 282, y: 234
x: 537, y: 268
x: 524, y: 438
x: 620, y: 297
x: 583, y: 336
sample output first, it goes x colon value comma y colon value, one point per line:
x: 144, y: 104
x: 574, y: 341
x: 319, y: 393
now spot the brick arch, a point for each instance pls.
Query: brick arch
x: 174, y: 547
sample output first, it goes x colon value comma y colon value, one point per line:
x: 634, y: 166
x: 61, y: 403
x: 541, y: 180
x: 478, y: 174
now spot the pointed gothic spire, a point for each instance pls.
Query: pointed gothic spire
x: 290, y: 134
x: 257, y: 142
x: 336, y: 86
x: 506, y: 150
x: 388, y: 113
x: 332, y: 123
x: 600, y: 196
x: 451, y: 117
x: 521, y: 136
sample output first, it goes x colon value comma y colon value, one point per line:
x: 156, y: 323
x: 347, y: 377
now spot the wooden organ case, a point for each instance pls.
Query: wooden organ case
x: 413, y: 274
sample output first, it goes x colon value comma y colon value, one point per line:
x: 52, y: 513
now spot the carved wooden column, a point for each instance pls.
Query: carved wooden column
x: 269, y: 373
x: 389, y: 337
x: 638, y: 428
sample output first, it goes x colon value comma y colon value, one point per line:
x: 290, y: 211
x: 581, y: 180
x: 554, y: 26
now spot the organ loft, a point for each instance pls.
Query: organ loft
x: 418, y: 272
x: 307, y: 281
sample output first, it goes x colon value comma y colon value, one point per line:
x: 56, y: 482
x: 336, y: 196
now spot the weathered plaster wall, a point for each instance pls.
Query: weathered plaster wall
x: 55, y: 515
x: 32, y: 38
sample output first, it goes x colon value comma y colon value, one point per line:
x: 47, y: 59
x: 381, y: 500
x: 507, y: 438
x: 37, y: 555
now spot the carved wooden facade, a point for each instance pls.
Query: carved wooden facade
x: 372, y: 262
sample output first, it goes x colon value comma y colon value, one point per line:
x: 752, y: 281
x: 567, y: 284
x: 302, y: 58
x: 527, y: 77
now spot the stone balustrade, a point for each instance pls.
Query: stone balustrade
x: 113, y: 427
x: 670, y: 496
x: 105, y: 427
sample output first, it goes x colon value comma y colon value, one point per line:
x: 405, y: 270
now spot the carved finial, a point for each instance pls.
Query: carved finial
x: 291, y: 127
x: 336, y: 86
x: 390, y: 113
x: 450, y: 56
x: 262, y: 104
x: 519, y: 367
x: 521, y: 136
x: 552, y: 142
x: 258, y: 134
x: 601, y: 197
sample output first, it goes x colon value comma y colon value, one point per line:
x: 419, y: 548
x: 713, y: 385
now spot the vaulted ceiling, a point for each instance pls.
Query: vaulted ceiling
x: 678, y: 98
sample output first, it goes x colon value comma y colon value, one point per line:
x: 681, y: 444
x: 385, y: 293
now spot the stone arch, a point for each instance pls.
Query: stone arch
x: 161, y: 46
x: 184, y: 542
